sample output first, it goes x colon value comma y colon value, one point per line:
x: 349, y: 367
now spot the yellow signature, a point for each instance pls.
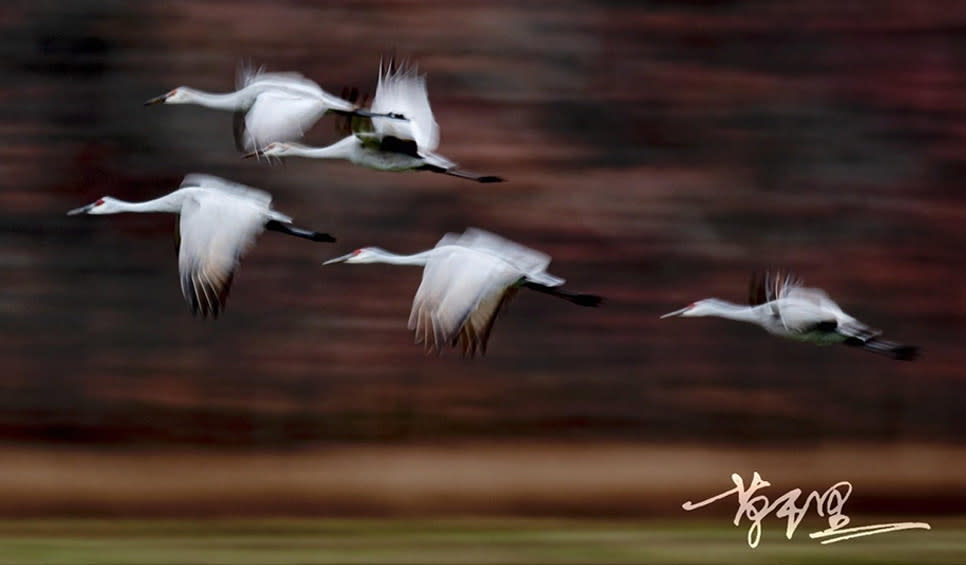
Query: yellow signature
x: 828, y: 504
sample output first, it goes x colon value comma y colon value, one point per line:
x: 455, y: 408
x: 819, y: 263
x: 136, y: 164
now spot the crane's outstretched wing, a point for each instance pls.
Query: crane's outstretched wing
x: 475, y: 332
x: 766, y: 286
x: 277, y: 115
x: 217, y: 225
x: 525, y: 259
x: 802, y: 309
x: 287, y: 106
x: 402, y: 90
x: 461, y: 293
x: 802, y: 315
x: 245, y: 192
x: 797, y: 316
x: 248, y: 75
x: 293, y: 83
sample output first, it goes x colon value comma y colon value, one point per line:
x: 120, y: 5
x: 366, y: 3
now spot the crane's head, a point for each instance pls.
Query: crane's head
x: 706, y: 307
x: 180, y: 95
x: 363, y: 255
x: 103, y: 205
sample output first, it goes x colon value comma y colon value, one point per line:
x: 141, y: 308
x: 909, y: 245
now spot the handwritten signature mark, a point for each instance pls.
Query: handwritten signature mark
x: 829, y: 504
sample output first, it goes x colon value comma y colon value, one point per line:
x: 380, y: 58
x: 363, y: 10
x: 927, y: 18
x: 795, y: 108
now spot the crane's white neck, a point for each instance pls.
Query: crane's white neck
x: 377, y: 255
x: 238, y: 100
x: 345, y: 148
x: 168, y: 203
x: 729, y: 310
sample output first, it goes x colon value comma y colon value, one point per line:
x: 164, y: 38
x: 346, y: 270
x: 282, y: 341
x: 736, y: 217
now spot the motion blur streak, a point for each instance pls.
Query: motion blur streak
x: 657, y: 151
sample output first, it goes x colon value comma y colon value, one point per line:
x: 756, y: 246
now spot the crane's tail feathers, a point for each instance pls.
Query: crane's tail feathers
x: 896, y: 351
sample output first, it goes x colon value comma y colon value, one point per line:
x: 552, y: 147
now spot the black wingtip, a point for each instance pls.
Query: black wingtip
x: 489, y: 179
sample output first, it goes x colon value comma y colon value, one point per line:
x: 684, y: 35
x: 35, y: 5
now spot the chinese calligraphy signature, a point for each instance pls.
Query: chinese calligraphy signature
x: 830, y: 504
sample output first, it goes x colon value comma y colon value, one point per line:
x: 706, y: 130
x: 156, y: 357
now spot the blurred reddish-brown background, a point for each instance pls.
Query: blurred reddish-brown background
x: 658, y: 151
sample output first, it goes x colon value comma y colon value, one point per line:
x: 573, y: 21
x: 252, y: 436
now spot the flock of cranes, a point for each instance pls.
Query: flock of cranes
x: 468, y: 277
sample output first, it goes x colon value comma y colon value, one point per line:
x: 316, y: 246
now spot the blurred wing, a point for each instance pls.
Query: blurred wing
x: 804, y: 314
x: 277, y: 115
x: 245, y: 74
x: 449, y: 239
x: 459, y: 297
x: 210, y: 182
x: 528, y: 261
x: 294, y: 83
x: 802, y: 309
x: 216, y: 228
x: 771, y: 285
x: 288, y: 104
x: 249, y: 76
x: 431, y: 287
x: 402, y: 90
x: 845, y: 324
x: 815, y: 296
x: 475, y: 333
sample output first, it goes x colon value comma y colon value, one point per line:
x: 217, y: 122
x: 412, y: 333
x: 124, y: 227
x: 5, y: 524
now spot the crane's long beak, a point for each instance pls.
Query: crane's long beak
x: 252, y: 154
x: 156, y: 100
x: 81, y: 210
x: 338, y: 259
x: 676, y: 312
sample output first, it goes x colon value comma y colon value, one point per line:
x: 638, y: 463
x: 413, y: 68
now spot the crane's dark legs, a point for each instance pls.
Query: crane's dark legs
x: 275, y: 225
x: 367, y: 114
x: 897, y: 351
x: 472, y: 176
x: 591, y: 300
x: 460, y: 173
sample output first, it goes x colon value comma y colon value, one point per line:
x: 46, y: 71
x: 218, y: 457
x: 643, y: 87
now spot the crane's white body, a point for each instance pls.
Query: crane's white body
x: 387, y: 144
x: 792, y: 311
x: 466, y: 279
x: 791, y: 318
x: 401, y: 92
x: 360, y: 151
x: 274, y: 106
x: 219, y: 220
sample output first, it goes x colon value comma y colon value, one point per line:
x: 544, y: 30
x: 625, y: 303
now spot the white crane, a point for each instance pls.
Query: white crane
x: 783, y: 307
x: 268, y: 107
x: 385, y: 144
x: 219, y: 221
x: 467, y: 278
